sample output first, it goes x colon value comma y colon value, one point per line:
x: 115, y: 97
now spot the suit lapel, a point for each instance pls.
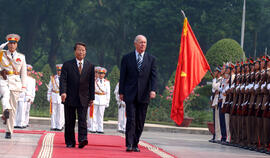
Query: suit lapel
x: 75, y: 66
x: 133, y: 60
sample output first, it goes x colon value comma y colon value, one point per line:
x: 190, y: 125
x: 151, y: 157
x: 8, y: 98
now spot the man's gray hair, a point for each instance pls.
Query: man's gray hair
x: 137, y: 37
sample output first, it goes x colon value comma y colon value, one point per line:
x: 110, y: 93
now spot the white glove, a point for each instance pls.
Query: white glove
x: 22, y: 95
x: 49, y: 98
x: 123, y: 103
x: 3, y: 45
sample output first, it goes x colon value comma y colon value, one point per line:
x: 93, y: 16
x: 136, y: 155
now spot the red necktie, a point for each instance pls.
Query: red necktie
x: 80, y: 67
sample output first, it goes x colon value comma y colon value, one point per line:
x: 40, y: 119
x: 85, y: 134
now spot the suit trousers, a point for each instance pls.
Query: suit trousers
x: 57, y: 117
x: 239, y: 129
x: 244, y: 131
x: 122, y: 118
x: 259, y: 131
x: 90, y: 121
x: 27, y: 113
x: 217, y: 125
x: 136, y: 113
x: 98, y: 118
x: 266, y: 129
x: 250, y: 134
x: 20, y: 113
x: 227, y: 122
x: 233, y: 127
x: 214, y: 135
x: 70, y: 120
x: 222, y: 124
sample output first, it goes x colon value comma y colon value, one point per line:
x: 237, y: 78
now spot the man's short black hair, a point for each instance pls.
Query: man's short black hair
x: 79, y: 43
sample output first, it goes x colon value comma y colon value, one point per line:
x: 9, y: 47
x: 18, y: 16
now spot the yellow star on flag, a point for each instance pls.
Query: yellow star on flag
x: 183, y: 74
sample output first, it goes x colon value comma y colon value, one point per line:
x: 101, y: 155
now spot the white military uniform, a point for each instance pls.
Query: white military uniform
x: 24, y: 103
x: 57, y: 115
x: 90, y: 111
x: 122, y: 119
x: 215, y: 87
x: 102, y: 100
x: 224, y: 88
x: 15, y: 83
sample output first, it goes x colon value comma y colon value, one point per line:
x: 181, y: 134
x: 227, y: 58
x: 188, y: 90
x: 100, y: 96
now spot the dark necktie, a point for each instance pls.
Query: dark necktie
x: 139, y: 62
x: 80, y: 67
x: 12, y: 55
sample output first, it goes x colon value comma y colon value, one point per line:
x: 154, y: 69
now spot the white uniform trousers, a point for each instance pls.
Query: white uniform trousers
x: 227, y: 122
x: 98, y: 117
x: 5, y: 94
x: 20, y: 114
x: 217, y: 125
x: 27, y: 113
x: 13, y: 101
x: 57, y: 117
x: 90, y: 121
x: 122, y: 119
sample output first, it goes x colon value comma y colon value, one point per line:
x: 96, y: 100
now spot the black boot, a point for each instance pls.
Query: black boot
x: 8, y: 135
x: 5, y: 116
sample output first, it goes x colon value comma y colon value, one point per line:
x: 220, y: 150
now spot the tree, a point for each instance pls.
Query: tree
x: 113, y: 77
x: 41, y: 95
x: 225, y: 50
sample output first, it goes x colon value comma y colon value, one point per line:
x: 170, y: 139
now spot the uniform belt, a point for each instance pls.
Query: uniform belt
x: 12, y: 73
x: 99, y: 93
x: 55, y: 91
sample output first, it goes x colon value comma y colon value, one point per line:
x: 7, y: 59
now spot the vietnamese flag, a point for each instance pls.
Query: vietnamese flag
x: 191, y: 68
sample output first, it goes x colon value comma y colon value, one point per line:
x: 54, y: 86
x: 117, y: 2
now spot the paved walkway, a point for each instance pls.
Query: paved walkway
x: 175, y: 140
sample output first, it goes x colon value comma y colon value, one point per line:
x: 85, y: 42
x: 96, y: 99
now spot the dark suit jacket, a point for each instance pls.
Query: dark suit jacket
x: 135, y: 85
x: 80, y: 88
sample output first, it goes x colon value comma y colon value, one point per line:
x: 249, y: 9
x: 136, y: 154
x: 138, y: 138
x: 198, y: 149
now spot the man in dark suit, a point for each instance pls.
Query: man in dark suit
x: 138, y: 78
x: 77, y: 90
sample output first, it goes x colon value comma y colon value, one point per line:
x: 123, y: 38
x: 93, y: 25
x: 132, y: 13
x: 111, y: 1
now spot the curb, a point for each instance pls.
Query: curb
x: 147, y: 127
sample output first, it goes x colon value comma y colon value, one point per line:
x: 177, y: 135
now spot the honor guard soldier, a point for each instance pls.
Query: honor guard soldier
x: 122, y: 119
x: 25, y: 100
x: 220, y: 103
x: 215, y: 89
x: 266, y: 111
x: 56, y: 107
x: 90, y: 112
x: 102, y: 100
x: 12, y: 80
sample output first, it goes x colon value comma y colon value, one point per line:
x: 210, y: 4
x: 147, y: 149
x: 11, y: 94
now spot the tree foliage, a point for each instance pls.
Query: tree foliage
x: 225, y: 50
x: 113, y: 77
x: 49, y: 29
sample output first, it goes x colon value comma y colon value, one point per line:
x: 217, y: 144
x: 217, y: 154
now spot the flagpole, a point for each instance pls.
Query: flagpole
x: 243, y: 28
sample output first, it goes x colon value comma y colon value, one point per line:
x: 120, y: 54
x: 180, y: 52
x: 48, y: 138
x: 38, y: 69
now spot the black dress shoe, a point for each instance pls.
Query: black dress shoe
x: 53, y: 129
x: 83, y: 143
x: 57, y: 129
x: 70, y: 145
x: 100, y: 132
x: 92, y: 131
x: 8, y: 135
x: 136, y: 149
x: 129, y: 149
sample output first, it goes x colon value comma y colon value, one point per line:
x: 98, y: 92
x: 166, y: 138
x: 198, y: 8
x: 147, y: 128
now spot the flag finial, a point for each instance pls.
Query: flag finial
x: 183, y: 13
